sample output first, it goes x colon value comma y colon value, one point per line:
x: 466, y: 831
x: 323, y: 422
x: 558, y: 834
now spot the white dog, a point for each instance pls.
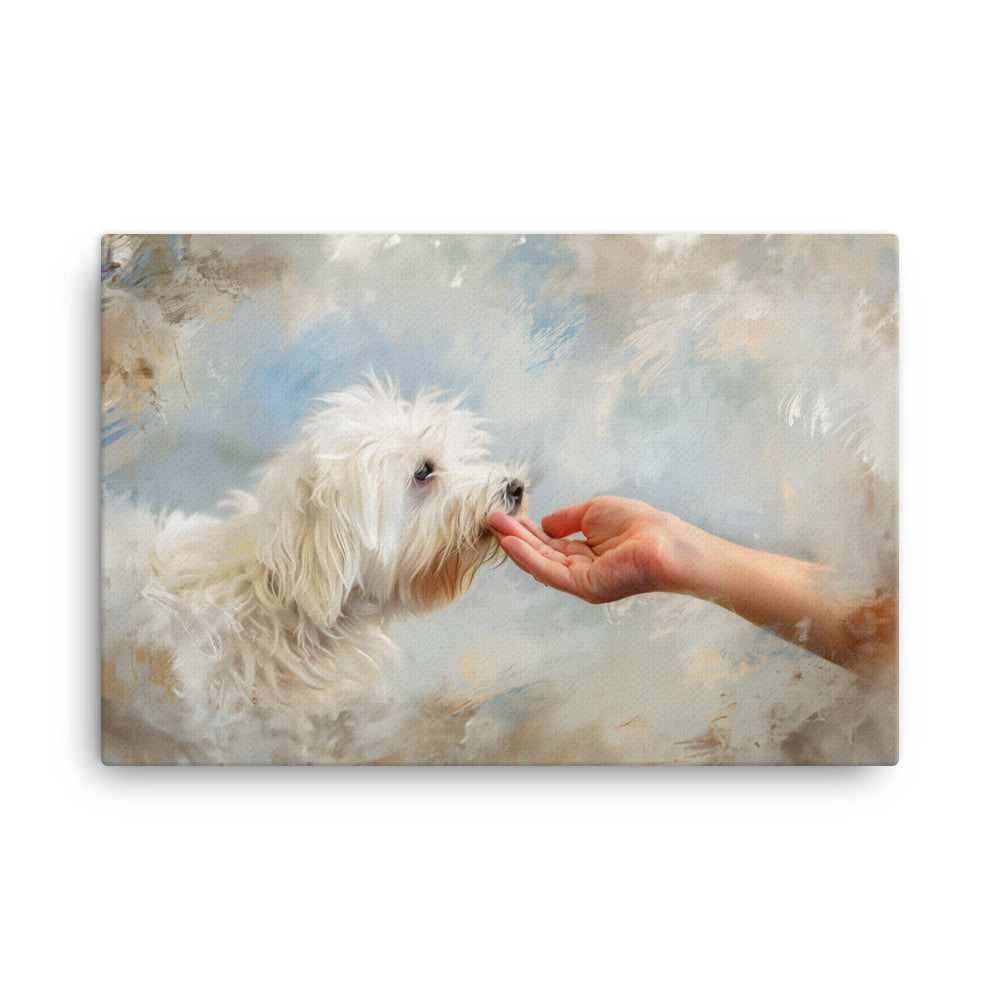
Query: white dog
x: 378, y: 511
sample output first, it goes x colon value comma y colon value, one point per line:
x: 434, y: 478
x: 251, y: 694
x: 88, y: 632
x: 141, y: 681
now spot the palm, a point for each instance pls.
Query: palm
x: 608, y: 566
x: 615, y: 561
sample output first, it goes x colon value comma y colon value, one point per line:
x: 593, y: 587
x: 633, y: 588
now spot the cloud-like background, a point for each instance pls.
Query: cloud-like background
x: 747, y: 384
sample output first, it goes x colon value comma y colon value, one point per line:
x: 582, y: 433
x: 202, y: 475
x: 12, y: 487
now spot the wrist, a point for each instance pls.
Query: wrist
x: 691, y: 560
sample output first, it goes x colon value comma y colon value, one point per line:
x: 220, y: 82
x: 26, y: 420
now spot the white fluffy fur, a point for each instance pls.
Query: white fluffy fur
x: 287, y: 601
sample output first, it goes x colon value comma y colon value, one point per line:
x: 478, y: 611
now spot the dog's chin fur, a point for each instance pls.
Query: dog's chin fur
x: 287, y: 601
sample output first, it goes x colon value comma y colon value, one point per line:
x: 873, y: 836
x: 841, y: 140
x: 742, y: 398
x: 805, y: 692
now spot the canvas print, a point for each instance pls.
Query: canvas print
x: 499, y: 499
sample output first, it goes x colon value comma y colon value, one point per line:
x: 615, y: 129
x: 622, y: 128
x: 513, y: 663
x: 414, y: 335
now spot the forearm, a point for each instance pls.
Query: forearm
x: 796, y: 600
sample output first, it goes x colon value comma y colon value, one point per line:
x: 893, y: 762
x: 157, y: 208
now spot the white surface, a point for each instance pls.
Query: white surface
x: 499, y: 883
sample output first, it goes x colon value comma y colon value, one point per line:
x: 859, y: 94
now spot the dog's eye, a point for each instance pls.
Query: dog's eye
x: 424, y: 472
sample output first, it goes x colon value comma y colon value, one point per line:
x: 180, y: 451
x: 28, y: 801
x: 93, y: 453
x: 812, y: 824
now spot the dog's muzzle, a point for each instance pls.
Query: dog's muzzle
x: 513, y: 495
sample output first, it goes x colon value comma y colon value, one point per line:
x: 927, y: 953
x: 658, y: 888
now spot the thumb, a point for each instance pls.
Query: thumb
x: 567, y: 520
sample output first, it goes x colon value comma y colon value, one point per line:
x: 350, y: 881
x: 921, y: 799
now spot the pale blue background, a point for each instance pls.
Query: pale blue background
x: 748, y: 384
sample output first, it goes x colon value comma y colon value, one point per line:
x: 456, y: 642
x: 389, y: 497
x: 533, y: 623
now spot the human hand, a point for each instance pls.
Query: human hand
x: 630, y: 548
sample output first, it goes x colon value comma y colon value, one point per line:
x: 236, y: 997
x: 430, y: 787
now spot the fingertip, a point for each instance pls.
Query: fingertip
x: 500, y: 521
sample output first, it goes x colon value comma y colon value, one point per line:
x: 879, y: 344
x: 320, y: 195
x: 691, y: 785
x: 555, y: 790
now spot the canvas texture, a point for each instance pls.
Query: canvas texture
x: 305, y: 440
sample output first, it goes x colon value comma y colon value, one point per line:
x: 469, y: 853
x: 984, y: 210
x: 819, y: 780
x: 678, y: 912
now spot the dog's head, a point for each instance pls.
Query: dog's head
x: 382, y: 507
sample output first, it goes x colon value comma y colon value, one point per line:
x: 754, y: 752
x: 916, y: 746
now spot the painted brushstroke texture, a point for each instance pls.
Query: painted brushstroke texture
x: 748, y: 384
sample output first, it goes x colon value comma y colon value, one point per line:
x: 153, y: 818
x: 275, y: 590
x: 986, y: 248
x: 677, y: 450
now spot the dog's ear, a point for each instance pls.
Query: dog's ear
x: 309, y: 549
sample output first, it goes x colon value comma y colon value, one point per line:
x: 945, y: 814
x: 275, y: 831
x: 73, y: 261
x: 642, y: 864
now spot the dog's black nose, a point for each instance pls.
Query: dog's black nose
x: 513, y: 492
